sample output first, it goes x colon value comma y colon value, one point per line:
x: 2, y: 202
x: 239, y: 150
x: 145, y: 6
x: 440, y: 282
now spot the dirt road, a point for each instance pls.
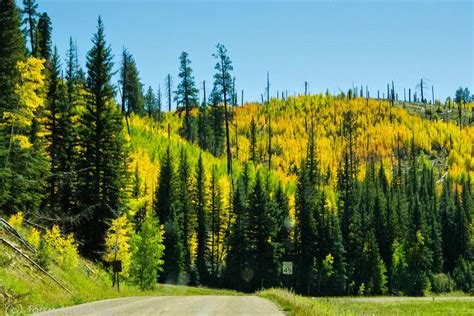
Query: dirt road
x: 174, y: 305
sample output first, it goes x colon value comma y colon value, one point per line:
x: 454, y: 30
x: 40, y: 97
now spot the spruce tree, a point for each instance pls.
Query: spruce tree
x: 283, y: 224
x: 55, y: 97
x: 260, y: 230
x: 216, y: 121
x: 12, y: 48
x: 165, y: 190
x: 418, y: 255
x: 186, y: 94
x: 202, y: 223
x: 304, y: 231
x: 430, y: 205
x: 43, y: 37
x: 468, y: 210
x: 173, y: 267
x: 223, y: 86
x: 253, y: 141
x: 238, y: 272
x: 150, y: 102
x: 104, y: 156
x: 186, y: 212
x: 166, y: 206
x: 132, y: 88
x: 215, y: 225
x: 447, y: 219
x: 31, y: 15
x: 333, y: 268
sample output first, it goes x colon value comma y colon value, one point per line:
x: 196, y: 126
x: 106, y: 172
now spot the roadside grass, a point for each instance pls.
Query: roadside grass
x: 441, y: 305
x: 25, y: 290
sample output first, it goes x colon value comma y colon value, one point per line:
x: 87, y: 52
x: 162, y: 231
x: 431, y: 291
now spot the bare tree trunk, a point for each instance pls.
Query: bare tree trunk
x: 168, y: 82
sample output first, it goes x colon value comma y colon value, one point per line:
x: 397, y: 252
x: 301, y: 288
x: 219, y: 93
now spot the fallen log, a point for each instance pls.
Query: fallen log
x: 12, y: 231
x: 9, y: 244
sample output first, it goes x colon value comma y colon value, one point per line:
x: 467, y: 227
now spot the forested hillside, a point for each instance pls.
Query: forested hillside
x: 362, y: 195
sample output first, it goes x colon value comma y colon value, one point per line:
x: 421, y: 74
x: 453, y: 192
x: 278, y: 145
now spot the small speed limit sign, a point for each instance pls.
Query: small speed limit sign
x: 287, y: 267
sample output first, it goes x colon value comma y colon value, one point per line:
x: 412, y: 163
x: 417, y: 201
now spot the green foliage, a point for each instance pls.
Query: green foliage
x: 441, y: 283
x: 132, y: 88
x: 186, y: 95
x: 104, y: 154
x: 147, y: 253
x: 187, y: 213
x: 43, y: 37
x: 30, y: 19
x: 200, y: 199
x: 463, y: 275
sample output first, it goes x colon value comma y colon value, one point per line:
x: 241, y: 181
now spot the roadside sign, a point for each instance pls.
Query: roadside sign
x: 117, y: 266
x: 287, y: 267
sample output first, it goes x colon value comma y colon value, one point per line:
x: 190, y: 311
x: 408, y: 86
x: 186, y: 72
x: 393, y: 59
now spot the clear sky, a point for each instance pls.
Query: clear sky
x: 330, y: 44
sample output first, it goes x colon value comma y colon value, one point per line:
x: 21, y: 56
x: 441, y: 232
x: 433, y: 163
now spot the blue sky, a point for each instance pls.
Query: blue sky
x: 330, y: 44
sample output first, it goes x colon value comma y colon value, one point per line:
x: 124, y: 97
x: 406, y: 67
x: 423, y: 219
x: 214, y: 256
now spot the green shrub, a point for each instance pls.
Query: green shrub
x: 5, y: 259
x: 43, y: 255
x: 441, y: 283
x: 463, y: 275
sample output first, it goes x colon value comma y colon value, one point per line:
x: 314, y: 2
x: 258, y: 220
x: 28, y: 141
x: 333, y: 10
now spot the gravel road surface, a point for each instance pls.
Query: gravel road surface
x: 174, y: 305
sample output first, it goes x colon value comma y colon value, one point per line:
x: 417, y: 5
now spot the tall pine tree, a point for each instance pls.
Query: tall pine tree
x: 186, y: 95
x: 104, y: 155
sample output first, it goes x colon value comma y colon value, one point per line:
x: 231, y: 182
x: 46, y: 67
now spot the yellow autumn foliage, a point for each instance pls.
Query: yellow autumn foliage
x: 64, y: 248
x: 30, y: 90
x: 16, y: 220
x: 117, y: 243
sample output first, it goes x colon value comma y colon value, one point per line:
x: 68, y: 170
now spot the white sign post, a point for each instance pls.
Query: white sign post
x: 287, y: 267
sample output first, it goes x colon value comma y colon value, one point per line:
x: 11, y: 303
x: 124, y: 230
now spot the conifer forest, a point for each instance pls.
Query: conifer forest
x: 364, y: 192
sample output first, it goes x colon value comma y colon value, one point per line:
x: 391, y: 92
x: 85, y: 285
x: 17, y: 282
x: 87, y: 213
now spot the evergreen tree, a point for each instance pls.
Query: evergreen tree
x: 12, y: 48
x: 166, y: 205
x: 447, y: 219
x: 43, y: 37
x: 186, y: 213
x: 264, y: 263
x: 462, y: 219
x: 239, y: 271
x: 67, y: 135
x: 217, y: 119
x: 253, y: 141
x: 55, y: 97
x: 174, y: 267
x: 418, y: 255
x: 215, y: 242
x: 150, y: 102
x: 164, y: 195
x: 30, y: 20
x: 283, y: 224
x: 369, y: 269
x: 431, y: 209
x: 132, y: 88
x: 104, y: 154
x: 22, y: 153
x: 202, y: 223
x: 186, y: 94
x: 333, y: 268
x: 204, y: 126
x: 304, y: 231
x: 468, y: 209
x: 223, y: 87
